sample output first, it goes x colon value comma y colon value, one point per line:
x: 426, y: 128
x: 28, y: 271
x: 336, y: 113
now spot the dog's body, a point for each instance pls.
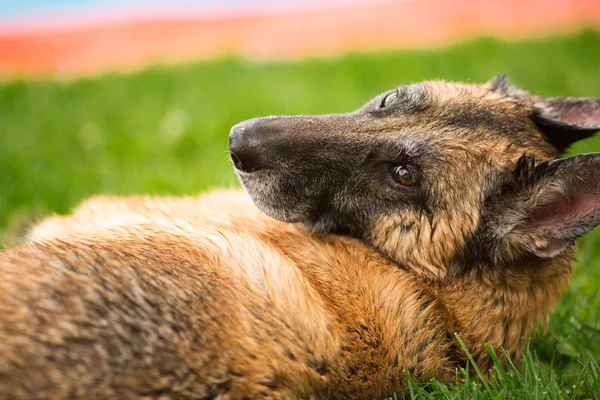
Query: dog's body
x: 202, y: 297
x: 125, y: 289
x: 209, y: 298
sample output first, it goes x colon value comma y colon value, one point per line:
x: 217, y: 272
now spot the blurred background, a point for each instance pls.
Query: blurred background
x: 65, y: 38
x: 137, y: 96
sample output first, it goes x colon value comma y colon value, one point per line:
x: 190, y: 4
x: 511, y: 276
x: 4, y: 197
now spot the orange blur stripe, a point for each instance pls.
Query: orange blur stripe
x: 267, y: 35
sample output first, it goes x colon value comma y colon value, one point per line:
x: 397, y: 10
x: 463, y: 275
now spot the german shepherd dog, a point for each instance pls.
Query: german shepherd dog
x: 376, y: 235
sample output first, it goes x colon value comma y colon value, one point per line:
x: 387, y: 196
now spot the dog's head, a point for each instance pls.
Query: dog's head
x: 435, y: 175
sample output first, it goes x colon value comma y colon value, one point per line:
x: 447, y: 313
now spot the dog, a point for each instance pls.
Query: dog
x: 364, y: 243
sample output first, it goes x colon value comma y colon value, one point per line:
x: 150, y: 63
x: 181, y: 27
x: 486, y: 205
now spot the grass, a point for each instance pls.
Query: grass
x: 533, y: 379
x: 164, y: 130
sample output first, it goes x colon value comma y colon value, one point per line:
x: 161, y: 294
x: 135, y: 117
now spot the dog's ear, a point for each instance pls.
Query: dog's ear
x: 565, y: 120
x: 501, y: 85
x: 546, y: 206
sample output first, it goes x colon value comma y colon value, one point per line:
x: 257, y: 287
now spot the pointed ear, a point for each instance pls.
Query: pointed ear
x: 549, y: 205
x: 501, y: 84
x: 565, y: 120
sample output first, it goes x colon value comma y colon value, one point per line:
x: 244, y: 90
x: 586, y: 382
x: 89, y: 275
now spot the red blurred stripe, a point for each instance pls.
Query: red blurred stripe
x: 267, y: 33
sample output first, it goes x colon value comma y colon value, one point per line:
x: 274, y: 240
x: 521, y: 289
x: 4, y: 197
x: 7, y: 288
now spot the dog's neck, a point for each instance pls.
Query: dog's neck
x: 483, y: 305
x: 503, y: 307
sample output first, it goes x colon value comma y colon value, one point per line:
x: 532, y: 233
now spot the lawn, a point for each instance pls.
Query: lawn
x: 164, y: 131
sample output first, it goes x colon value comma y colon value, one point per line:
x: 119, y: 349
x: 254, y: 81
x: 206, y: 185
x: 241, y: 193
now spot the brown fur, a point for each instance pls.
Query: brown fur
x: 207, y: 297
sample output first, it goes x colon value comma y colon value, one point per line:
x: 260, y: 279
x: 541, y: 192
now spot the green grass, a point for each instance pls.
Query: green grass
x: 164, y: 130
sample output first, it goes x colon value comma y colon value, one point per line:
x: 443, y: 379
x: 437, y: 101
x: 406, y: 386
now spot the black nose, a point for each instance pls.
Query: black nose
x: 244, y: 148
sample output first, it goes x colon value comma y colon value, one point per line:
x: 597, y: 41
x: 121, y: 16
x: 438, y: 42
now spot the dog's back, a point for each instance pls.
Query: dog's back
x: 246, y: 307
x: 157, y: 309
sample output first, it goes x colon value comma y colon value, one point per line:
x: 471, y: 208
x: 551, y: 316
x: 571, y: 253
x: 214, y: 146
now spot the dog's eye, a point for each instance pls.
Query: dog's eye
x: 389, y: 100
x: 402, y: 175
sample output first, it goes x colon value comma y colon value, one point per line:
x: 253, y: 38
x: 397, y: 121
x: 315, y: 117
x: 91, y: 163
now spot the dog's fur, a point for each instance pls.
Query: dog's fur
x: 210, y: 298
